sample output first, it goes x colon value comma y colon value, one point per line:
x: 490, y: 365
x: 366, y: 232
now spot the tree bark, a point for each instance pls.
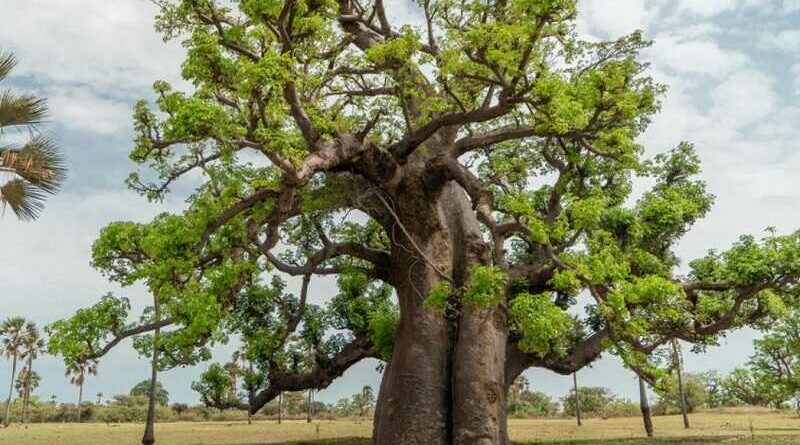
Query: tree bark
x: 149, y: 437
x: 416, y: 386
x: 308, y: 406
x: 577, y: 398
x: 80, y: 398
x: 479, y: 393
x: 423, y: 400
x: 280, y: 408
x: 10, y: 391
x: 27, y: 390
x: 644, y: 405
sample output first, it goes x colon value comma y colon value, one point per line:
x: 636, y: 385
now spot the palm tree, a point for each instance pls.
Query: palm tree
x: 33, y: 345
x: 36, y: 166
x: 14, y: 332
x: 77, y: 372
x: 27, y: 381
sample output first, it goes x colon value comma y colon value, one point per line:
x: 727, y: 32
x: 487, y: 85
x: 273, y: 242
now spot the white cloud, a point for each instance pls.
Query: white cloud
x: 81, y: 110
x: 707, y: 8
x: 743, y: 99
x: 795, y: 71
x: 790, y: 6
x: 107, y: 46
x: 787, y: 40
x: 614, y: 18
x: 692, y: 55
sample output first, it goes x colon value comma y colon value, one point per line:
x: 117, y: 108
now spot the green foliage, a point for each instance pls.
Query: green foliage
x: 524, y: 403
x: 542, y: 325
x: 382, y: 330
x: 216, y: 387
x: 143, y: 389
x: 439, y: 297
x: 486, y: 287
x: 594, y: 401
x: 85, y: 333
x: 694, y: 392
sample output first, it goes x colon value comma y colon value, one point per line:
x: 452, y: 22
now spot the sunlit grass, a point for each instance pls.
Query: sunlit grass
x: 734, y: 428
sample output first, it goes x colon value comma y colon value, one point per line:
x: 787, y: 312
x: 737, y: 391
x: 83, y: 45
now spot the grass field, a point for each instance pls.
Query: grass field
x: 730, y: 428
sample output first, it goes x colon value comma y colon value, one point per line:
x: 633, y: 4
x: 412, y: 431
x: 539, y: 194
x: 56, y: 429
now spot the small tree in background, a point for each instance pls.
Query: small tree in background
x: 594, y: 401
x: 524, y: 403
x: 364, y: 401
x: 77, y: 371
x: 672, y: 400
x: 214, y: 388
x: 15, y: 333
x: 143, y: 389
x: 33, y: 346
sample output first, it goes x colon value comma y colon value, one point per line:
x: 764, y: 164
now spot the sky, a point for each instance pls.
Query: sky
x: 732, y: 67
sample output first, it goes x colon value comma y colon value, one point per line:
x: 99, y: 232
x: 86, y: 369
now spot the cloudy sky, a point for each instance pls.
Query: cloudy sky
x: 733, y: 68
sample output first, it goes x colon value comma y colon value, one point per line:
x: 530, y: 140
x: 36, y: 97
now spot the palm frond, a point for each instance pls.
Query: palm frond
x: 39, y: 162
x: 24, y: 199
x: 7, y: 63
x: 24, y: 110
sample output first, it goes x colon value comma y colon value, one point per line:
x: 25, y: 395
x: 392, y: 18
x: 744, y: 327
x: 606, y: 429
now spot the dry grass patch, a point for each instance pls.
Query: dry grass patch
x: 770, y: 428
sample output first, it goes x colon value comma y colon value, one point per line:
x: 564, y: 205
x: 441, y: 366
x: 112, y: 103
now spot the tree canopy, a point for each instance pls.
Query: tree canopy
x: 467, y: 179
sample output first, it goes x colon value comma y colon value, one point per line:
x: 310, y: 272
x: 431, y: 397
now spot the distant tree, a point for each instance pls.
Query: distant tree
x: 776, y: 361
x: 99, y: 398
x: 143, y: 389
x: 524, y: 403
x: 26, y: 381
x: 593, y: 401
x: 36, y: 166
x: 214, y: 388
x: 744, y: 386
x: 364, y: 401
x: 693, y: 397
x: 33, y: 346
x: 77, y: 371
x: 15, y: 334
x: 715, y: 396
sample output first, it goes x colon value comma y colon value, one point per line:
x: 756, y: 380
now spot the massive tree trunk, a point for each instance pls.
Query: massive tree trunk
x: 445, y: 383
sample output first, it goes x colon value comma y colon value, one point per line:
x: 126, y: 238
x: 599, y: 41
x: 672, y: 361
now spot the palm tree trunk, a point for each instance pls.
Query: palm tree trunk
x: 26, y: 399
x: 644, y: 405
x: 80, y: 398
x: 681, y: 393
x: 149, y: 437
x: 280, y: 408
x: 577, y: 398
x: 250, y: 395
x: 10, y: 391
x: 308, y: 407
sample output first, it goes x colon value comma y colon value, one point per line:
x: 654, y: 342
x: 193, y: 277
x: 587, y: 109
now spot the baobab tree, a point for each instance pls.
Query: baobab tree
x: 480, y: 166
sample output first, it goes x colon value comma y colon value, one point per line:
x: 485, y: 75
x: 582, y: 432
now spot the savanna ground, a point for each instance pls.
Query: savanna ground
x: 730, y: 427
